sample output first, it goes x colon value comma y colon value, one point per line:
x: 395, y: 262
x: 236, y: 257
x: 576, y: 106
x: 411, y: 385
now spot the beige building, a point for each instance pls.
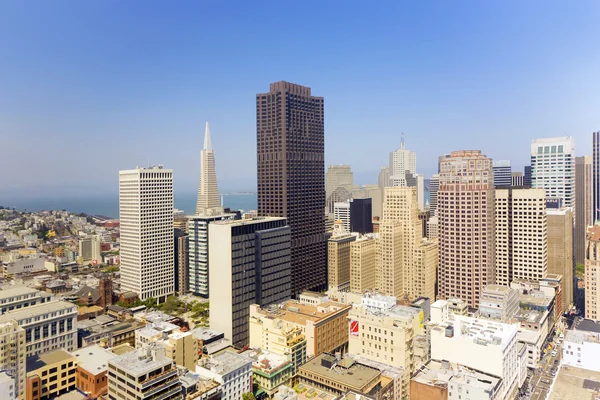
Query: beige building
x: 181, y: 347
x: 89, y: 250
x: 521, y: 235
x: 560, y: 250
x: 592, y: 273
x: 324, y: 325
x: 338, y: 185
x: 365, y: 259
x: 583, y: 204
x: 425, y: 269
x: 400, y: 233
x: 338, y: 261
x: 50, y: 374
x: 12, y: 354
x: 465, y: 208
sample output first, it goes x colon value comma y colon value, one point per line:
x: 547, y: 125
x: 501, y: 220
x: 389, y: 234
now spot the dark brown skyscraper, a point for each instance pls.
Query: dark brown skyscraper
x: 290, y: 139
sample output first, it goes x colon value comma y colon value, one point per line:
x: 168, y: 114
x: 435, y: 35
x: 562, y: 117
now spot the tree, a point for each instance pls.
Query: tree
x: 248, y: 396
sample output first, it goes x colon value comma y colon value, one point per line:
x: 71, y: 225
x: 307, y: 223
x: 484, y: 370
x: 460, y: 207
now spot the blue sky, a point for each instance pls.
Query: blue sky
x: 91, y: 87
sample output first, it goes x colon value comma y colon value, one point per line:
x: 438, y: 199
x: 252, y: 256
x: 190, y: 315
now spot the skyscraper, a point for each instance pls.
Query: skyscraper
x: 592, y: 273
x: 341, y: 212
x: 584, y: 207
x: 502, y: 173
x: 434, y: 185
x: 291, y: 175
x: 208, y: 192
x: 521, y: 235
x: 553, y: 167
x: 146, y: 214
x: 383, y: 179
x: 403, y: 166
x: 596, y: 175
x: 361, y: 215
x: 560, y: 250
x: 181, y: 258
x: 466, y: 226
x: 338, y: 261
x: 338, y: 185
x: 253, y: 259
x: 527, y: 176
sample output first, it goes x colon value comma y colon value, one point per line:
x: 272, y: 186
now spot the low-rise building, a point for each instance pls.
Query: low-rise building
x: 92, y: 367
x: 181, y: 347
x: 533, y: 332
x: 14, y: 298
x: 109, y: 334
x: 324, y: 326
x: 143, y: 374
x: 581, y: 349
x: 23, y: 266
x: 233, y: 371
x: 50, y: 374
x: 196, y: 387
x: 499, y: 303
x: 269, y: 371
x: 8, y: 387
x: 48, y: 326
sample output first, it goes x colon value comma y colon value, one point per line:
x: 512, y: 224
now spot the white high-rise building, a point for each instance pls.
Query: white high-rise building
x: 208, y: 192
x: 341, y: 212
x: 420, y: 191
x: 146, y: 214
x: 553, y: 168
x: 403, y: 166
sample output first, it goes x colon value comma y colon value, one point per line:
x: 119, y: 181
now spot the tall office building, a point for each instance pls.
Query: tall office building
x: 560, y: 250
x: 400, y: 232
x: 596, y: 175
x: 420, y: 184
x: 434, y: 185
x: 527, y: 176
x: 339, y: 183
x: 592, y: 273
x: 338, y: 261
x: 466, y: 226
x: 146, y: 214
x: 252, y: 259
x: 198, y: 246
x: 502, y: 173
x: 584, y: 204
x: 365, y: 260
x: 208, y: 192
x: 403, y: 166
x: 425, y: 275
x: 89, y: 250
x: 361, y: 215
x: 291, y: 175
x: 553, y: 167
x: 181, y: 259
x: 521, y: 235
x: 383, y: 179
x: 341, y: 212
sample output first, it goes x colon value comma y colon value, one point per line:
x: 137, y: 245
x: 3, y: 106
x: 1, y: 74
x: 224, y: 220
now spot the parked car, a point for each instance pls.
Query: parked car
x: 555, y: 362
x: 546, y: 381
x: 554, y: 353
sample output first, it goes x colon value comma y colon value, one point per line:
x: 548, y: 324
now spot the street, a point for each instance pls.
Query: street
x: 541, y: 380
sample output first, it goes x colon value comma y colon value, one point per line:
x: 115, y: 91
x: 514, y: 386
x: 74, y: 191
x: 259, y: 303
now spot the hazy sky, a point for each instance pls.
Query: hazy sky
x: 91, y: 87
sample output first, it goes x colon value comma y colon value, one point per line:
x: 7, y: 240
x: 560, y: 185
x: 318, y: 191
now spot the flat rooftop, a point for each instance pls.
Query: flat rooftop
x: 94, y: 358
x: 249, y: 221
x: 347, y: 372
x: 482, y: 331
x: 435, y: 373
x: 496, y: 289
x: 36, y: 310
x: 265, y: 360
x: 140, y: 361
x: 582, y: 336
x: 587, y: 325
x: 226, y: 362
x: 20, y: 291
x: 39, y: 361
x: 297, y: 313
x: 573, y: 383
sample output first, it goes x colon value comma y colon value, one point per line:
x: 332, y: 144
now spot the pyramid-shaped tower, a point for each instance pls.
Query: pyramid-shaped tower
x: 208, y: 192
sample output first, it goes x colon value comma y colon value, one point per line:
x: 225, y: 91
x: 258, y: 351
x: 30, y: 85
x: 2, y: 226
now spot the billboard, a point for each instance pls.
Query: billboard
x: 354, y: 328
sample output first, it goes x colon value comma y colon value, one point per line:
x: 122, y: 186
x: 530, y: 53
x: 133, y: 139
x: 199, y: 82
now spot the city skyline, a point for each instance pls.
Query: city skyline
x: 496, y: 101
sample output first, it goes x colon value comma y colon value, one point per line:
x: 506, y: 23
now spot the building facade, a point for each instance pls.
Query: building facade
x: 365, y: 263
x: 339, y: 182
x: 553, y: 167
x: 434, y: 185
x: 403, y: 166
x: 291, y: 175
x: 502, y: 173
x: 592, y: 273
x: 560, y: 250
x: 233, y: 371
x: 521, y: 235
x: 50, y: 375
x: 341, y: 212
x: 89, y: 250
x: 361, y: 215
x: 253, y: 259
x: 583, y: 200
x: 596, y: 176
x: 338, y: 261
x: 198, y: 262
x: 13, y: 355
x: 466, y: 238
x: 146, y: 215
x: 181, y: 248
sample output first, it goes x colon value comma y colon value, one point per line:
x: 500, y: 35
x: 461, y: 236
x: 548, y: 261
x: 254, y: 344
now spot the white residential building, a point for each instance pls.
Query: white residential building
x: 553, y: 167
x: 487, y: 346
x: 233, y: 371
x: 582, y: 349
x: 341, y: 212
x: 146, y: 214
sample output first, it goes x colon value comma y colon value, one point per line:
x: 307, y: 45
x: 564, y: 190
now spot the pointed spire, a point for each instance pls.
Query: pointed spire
x: 402, y: 141
x: 207, y: 143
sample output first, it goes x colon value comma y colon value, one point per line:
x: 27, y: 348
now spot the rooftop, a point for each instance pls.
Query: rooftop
x: 572, y: 383
x: 19, y: 291
x: 249, y: 221
x: 226, y: 362
x: 587, y: 325
x: 39, y: 361
x: 142, y: 360
x: 593, y: 233
x: 266, y: 361
x: 94, y: 359
x: 347, y: 372
x: 436, y: 373
x: 480, y: 331
x: 205, y: 334
x: 36, y: 310
x: 497, y: 289
x: 582, y: 336
x: 295, y: 312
